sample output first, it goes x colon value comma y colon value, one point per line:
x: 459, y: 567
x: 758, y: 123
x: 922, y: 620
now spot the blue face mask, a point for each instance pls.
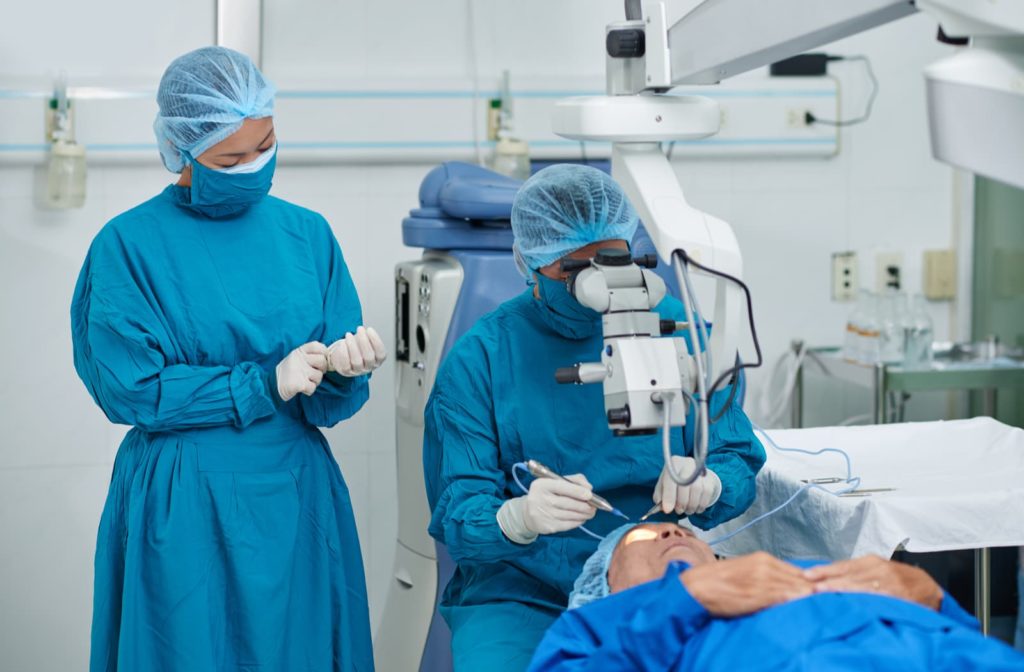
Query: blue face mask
x: 563, y: 313
x: 216, y: 193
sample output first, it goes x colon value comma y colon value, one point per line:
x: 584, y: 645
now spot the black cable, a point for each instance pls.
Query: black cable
x: 732, y: 395
x: 735, y: 369
x: 809, y: 118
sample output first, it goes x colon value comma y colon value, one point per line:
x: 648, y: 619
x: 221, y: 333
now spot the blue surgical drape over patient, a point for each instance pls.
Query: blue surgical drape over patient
x: 227, y: 540
x: 660, y: 627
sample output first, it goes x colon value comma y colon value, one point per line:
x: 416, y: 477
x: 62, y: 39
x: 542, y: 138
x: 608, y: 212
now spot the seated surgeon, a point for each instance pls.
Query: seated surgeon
x: 654, y: 597
x: 496, y: 403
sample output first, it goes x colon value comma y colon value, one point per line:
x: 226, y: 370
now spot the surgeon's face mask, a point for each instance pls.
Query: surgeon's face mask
x: 562, y: 312
x: 219, y: 193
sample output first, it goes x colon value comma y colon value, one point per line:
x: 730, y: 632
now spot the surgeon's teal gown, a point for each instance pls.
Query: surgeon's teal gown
x: 227, y: 541
x: 495, y: 403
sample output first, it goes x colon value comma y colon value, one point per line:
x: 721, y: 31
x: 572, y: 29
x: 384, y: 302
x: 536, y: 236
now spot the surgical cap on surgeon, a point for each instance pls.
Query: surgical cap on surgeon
x: 592, y: 583
x: 204, y: 97
x: 563, y: 208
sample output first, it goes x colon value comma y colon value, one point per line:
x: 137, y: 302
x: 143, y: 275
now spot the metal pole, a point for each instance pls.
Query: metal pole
x: 240, y: 27
x: 989, y: 402
x: 879, y: 395
x: 982, y: 587
x: 797, y: 410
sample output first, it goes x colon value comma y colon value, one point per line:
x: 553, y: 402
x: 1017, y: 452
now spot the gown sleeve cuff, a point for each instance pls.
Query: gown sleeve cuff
x: 254, y: 393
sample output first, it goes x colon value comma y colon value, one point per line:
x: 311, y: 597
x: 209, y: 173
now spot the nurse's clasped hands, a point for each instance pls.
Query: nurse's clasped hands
x: 552, y: 505
x: 357, y: 353
x: 302, y: 370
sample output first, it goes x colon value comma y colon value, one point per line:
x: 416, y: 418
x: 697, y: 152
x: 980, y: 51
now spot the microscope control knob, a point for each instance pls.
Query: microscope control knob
x: 619, y: 416
x: 625, y: 43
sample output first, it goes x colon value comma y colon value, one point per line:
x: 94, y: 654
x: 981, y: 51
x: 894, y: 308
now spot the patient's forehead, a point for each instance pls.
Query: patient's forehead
x: 651, y: 531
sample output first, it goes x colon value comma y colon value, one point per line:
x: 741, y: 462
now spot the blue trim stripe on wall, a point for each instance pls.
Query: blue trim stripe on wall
x: 432, y: 144
x: 458, y: 94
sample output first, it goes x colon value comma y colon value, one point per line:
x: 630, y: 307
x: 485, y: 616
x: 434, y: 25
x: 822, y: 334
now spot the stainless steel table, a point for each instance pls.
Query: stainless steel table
x: 891, y: 385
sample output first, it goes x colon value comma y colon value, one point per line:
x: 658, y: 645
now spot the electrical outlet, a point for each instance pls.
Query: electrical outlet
x: 796, y: 118
x: 939, y: 274
x: 844, y: 276
x: 888, y: 271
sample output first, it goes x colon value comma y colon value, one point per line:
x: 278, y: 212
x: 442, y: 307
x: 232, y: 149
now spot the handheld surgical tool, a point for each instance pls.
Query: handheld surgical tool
x: 650, y: 512
x: 540, y: 471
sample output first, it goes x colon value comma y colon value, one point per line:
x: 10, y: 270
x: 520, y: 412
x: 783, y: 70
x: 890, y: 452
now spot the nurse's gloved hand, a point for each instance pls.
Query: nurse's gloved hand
x: 302, y: 370
x: 552, y: 505
x: 357, y: 353
x: 686, y: 499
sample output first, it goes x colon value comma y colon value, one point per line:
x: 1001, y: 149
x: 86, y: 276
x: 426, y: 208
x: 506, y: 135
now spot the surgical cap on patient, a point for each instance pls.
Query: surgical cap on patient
x: 592, y: 583
x: 204, y: 97
x: 563, y: 208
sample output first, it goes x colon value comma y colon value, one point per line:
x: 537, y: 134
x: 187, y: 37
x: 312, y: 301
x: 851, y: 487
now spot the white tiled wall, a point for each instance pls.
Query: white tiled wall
x: 56, y: 449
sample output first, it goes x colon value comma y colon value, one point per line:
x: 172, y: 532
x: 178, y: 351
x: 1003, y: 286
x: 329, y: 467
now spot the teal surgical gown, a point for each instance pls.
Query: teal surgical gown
x: 660, y: 627
x: 495, y: 403
x: 227, y: 541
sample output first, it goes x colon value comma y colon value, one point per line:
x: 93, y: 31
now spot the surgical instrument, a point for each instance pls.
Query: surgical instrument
x: 650, y: 512
x: 540, y: 471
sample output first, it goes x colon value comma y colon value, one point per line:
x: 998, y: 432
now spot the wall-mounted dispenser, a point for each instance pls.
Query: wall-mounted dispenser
x: 65, y: 170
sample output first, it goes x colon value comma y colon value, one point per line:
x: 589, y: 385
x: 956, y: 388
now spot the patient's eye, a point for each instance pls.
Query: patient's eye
x: 640, y: 534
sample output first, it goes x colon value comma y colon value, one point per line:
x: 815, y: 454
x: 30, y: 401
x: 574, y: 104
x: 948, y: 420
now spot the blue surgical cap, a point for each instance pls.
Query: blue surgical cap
x: 563, y: 208
x: 592, y: 583
x: 204, y: 97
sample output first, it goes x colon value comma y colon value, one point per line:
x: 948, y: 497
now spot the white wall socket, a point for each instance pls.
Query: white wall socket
x: 940, y: 274
x: 888, y: 271
x: 844, y: 276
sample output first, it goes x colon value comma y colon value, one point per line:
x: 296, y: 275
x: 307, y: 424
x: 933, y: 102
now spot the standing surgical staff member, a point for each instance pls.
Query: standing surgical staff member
x: 222, y: 323
x: 496, y: 402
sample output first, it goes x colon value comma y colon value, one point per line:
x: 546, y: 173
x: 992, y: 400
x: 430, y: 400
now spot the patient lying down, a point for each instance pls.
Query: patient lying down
x: 654, y: 597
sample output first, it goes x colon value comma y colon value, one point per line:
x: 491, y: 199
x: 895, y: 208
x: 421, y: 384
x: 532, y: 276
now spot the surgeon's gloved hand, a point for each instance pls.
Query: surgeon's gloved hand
x: 686, y: 499
x: 552, y: 505
x: 357, y: 353
x: 302, y: 370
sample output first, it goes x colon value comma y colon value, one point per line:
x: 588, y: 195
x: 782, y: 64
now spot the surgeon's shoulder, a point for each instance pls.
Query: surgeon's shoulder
x: 486, y: 340
x: 132, y: 227
x: 295, y: 214
x: 492, y: 329
x: 671, y: 308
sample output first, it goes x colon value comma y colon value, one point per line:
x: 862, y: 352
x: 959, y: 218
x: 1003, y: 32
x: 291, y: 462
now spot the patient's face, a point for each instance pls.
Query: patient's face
x: 644, y: 553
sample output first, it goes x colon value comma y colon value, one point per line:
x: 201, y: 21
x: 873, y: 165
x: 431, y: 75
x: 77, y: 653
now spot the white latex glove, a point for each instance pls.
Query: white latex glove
x: 302, y: 370
x: 357, y: 353
x: 688, y: 499
x: 552, y: 505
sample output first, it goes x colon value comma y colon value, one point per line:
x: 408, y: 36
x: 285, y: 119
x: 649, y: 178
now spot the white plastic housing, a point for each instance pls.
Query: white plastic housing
x: 976, y: 112
x: 977, y: 18
x: 643, y: 118
x: 640, y: 367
